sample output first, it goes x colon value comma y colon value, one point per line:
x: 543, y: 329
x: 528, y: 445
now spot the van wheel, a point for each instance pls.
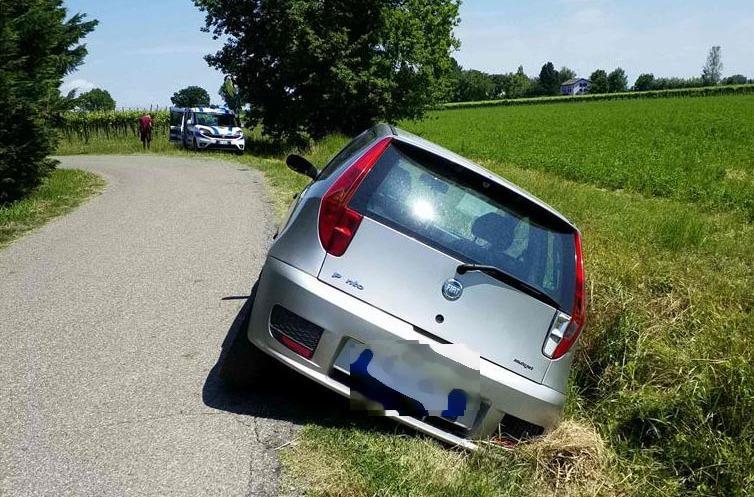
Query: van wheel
x: 244, y: 365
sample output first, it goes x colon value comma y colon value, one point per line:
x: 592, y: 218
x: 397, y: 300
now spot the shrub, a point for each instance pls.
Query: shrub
x: 37, y: 48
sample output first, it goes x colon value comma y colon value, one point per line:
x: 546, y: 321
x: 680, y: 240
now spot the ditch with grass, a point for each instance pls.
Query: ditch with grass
x: 662, y: 390
x: 59, y: 193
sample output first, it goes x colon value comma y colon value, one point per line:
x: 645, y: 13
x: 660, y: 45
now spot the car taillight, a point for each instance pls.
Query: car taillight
x: 565, y: 329
x: 337, y: 222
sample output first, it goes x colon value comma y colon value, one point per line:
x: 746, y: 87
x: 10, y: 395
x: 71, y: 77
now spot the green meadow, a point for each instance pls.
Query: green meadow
x: 699, y: 150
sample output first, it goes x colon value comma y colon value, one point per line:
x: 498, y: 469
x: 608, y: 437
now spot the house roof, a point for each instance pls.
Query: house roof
x: 573, y: 81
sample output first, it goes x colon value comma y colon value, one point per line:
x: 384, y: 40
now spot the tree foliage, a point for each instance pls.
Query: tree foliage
x: 38, y: 46
x: 94, y: 100
x: 736, y: 79
x: 617, y: 81
x: 599, y: 82
x: 475, y: 85
x: 549, y: 79
x: 713, y: 69
x: 230, y: 95
x: 313, y: 67
x: 644, y: 82
x: 191, y: 96
x: 565, y: 74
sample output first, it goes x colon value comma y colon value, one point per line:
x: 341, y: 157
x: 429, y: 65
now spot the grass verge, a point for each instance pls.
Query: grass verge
x: 59, y: 193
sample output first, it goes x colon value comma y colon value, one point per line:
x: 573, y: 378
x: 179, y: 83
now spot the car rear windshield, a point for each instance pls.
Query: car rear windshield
x: 463, y: 214
x: 207, y: 119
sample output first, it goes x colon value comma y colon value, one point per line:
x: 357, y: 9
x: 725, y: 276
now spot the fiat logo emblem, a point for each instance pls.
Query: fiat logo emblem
x: 452, y: 289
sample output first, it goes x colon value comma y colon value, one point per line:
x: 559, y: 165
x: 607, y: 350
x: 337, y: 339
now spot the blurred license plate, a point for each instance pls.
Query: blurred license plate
x: 420, y: 373
x: 224, y: 142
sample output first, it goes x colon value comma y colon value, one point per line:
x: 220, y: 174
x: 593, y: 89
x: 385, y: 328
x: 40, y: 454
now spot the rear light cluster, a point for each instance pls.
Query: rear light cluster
x: 295, y: 332
x: 565, y: 329
x: 337, y: 222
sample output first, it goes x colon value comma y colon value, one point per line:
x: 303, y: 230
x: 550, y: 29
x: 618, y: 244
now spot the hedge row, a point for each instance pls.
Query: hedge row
x: 679, y: 92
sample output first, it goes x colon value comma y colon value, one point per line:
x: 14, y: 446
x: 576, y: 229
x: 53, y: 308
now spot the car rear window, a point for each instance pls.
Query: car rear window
x: 463, y: 214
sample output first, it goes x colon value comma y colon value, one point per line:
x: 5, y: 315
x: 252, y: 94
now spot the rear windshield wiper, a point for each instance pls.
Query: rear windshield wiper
x: 511, y: 280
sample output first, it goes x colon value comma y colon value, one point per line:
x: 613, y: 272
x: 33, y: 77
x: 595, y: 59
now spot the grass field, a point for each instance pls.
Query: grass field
x: 63, y: 190
x: 699, y: 150
x: 662, y: 393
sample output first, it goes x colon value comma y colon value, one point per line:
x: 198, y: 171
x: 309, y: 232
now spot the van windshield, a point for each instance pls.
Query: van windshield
x: 207, y: 119
x: 458, y: 212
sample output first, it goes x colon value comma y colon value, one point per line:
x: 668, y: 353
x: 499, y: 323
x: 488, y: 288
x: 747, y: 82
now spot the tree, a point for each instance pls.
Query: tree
x: 518, y: 84
x: 475, y: 85
x: 499, y: 82
x: 549, y: 79
x: 313, y: 67
x: 599, y: 82
x: 566, y: 74
x: 713, y: 69
x: 672, y: 83
x: 617, y: 81
x: 38, y: 47
x: 230, y: 95
x: 191, y: 96
x: 736, y: 79
x: 95, y: 99
x: 644, y: 82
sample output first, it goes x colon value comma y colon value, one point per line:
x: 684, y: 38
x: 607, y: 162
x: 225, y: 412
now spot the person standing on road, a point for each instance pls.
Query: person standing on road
x: 145, y: 130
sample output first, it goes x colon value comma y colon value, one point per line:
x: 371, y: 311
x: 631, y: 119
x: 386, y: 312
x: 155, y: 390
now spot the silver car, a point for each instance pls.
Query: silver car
x: 424, y: 287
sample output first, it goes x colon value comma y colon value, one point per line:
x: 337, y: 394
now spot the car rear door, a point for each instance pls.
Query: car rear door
x: 176, y: 126
x: 422, y: 218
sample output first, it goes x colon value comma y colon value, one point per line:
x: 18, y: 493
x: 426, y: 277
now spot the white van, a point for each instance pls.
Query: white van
x: 204, y: 128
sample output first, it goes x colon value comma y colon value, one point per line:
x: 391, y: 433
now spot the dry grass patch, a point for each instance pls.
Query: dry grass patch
x: 572, y: 460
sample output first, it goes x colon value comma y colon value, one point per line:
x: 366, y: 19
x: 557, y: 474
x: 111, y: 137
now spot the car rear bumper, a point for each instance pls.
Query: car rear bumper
x: 343, y: 317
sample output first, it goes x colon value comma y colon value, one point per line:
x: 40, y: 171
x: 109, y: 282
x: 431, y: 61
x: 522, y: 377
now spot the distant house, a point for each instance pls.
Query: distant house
x: 575, y: 86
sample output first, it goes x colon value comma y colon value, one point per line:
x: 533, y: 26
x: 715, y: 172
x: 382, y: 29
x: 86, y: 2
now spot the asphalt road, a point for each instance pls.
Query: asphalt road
x: 112, y: 320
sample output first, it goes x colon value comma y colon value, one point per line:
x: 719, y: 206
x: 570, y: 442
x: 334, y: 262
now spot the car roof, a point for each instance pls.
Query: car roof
x: 425, y: 144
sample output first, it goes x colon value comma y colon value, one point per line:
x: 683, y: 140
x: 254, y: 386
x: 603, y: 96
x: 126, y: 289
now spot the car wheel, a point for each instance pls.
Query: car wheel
x: 244, y: 365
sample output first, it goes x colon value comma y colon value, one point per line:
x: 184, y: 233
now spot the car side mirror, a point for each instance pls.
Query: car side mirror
x: 301, y: 166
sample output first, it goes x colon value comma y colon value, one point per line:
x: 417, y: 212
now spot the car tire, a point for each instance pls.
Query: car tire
x: 243, y: 364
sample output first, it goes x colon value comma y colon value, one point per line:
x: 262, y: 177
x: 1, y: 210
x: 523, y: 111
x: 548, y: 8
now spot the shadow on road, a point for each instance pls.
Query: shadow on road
x: 286, y: 395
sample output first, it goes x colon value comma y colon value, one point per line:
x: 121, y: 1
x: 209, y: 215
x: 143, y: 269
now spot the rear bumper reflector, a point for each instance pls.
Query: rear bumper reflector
x: 295, y: 332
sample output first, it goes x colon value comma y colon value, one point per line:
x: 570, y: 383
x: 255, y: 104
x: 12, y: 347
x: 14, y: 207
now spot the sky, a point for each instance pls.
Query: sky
x: 144, y: 50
